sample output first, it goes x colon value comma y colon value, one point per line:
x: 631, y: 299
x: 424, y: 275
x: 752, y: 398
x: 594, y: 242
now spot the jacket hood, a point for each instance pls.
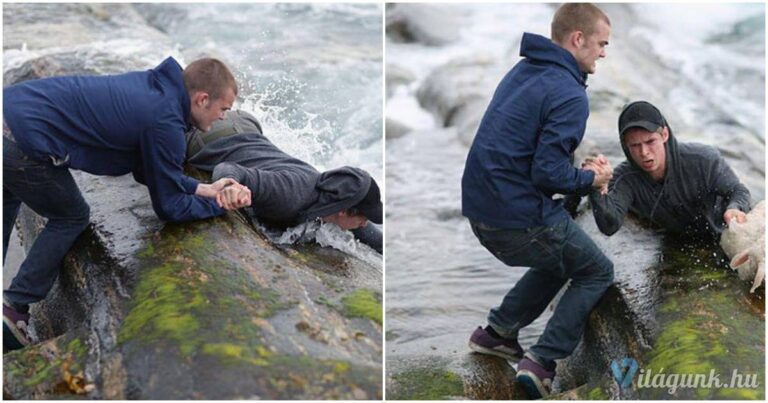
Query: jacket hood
x: 170, y: 71
x: 339, y: 189
x: 542, y: 49
x: 671, y: 150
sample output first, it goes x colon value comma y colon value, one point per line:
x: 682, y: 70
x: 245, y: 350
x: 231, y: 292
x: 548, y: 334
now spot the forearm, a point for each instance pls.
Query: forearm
x: 739, y: 198
x: 609, y: 215
x: 562, y: 179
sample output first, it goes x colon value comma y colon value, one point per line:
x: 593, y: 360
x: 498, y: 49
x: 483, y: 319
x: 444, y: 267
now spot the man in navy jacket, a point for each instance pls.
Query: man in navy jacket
x: 103, y: 125
x: 520, y: 158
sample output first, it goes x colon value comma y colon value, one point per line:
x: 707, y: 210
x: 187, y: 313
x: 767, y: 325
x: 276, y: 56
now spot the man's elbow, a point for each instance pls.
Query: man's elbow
x: 542, y: 180
x: 169, y: 214
x: 608, y: 228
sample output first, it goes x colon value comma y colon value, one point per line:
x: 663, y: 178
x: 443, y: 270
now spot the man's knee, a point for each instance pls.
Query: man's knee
x: 82, y: 216
x: 606, y: 270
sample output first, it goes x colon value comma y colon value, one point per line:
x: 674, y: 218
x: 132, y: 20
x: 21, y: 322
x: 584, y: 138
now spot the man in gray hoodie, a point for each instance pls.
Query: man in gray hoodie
x: 284, y: 191
x: 685, y: 188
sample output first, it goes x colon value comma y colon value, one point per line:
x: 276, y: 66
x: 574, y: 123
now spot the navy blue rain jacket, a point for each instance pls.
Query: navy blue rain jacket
x: 521, y: 154
x: 113, y: 125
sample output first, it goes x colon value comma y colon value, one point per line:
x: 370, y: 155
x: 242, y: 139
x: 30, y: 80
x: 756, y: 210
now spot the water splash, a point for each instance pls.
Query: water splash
x: 326, y: 235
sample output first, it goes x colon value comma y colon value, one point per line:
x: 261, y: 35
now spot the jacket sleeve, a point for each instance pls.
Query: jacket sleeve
x: 162, y: 155
x: 726, y: 183
x: 560, y: 134
x: 609, y: 210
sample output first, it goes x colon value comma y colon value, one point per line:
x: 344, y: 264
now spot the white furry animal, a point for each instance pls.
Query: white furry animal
x: 745, y: 245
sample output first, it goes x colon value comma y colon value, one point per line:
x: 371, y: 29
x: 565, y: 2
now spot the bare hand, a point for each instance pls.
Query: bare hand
x: 209, y: 191
x: 222, y: 183
x: 602, y: 169
x: 730, y: 214
x: 234, y: 197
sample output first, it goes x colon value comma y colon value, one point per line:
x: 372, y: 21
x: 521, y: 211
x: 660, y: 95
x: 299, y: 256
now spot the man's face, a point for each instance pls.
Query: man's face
x: 205, y: 111
x: 347, y: 220
x: 593, y: 47
x: 648, y: 150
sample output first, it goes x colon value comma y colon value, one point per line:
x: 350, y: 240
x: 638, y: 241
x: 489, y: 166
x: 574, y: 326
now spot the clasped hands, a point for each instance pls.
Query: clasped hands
x: 602, y: 169
x: 229, y: 194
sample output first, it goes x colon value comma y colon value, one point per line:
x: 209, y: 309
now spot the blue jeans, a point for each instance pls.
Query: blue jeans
x: 52, y: 193
x: 554, y: 255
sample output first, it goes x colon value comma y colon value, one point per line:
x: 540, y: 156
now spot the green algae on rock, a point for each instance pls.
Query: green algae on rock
x: 363, y: 304
x: 427, y: 384
x: 708, y: 324
x: 49, y: 369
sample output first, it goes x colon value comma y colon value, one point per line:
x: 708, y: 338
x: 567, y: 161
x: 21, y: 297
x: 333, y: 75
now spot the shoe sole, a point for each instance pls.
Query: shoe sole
x: 489, y: 351
x: 532, y: 385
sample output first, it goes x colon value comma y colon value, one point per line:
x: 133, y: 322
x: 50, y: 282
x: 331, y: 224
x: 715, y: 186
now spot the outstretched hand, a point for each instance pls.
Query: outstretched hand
x: 730, y: 214
x: 602, y: 169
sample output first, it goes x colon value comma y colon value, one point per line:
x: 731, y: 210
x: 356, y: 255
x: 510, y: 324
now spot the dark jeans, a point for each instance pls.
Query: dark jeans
x: 554, y: 255
x: 52, y: 193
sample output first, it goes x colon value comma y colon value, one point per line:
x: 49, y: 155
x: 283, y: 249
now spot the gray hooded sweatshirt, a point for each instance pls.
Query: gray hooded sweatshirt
x: 697, y: 189
x: 285, y: 191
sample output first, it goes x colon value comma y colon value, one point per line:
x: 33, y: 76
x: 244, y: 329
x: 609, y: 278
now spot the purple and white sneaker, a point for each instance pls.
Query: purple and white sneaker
x: 14, y: 328
x: 484, y: 343
x: 536, y: 380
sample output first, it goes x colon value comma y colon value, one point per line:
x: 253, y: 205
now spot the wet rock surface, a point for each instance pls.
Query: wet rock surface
x: 453, y: 377
x: 459, y: 91
x: 149, y: 310
x: 429, y: 24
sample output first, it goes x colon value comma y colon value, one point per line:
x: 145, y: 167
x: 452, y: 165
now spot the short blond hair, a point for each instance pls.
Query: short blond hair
x: 209, y: 75
x: 572, y: 17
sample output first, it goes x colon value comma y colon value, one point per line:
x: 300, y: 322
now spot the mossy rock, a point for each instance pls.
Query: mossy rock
x: 459, y: 376
x: 708, y: 323
x: 364, y: 304
x: 47, y: 370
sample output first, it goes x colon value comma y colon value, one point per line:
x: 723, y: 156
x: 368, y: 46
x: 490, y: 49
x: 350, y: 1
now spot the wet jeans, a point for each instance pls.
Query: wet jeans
x: 52, y: 193
x: 554, y: 255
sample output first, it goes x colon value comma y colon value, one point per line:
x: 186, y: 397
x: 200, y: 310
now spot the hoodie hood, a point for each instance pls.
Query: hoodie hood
x: 541, y: 49
x: 670, y: 148
x: 339, y: 189
x: 170, y: 71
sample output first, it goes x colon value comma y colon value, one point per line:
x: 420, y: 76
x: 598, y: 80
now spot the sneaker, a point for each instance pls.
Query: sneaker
x: 483, y: 342
x: 14, y: 328
x: 536, y: 380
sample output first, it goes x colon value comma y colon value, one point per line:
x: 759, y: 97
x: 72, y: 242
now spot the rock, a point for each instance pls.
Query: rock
x: 66, y: 25
x: 456, y: 377
x: 395, y: 129
x: 458, y: 92
x: 745, y: 244
x: 218, y: 300
x: 430, y: 24
x: 397, y: 75
x: 686, y: 314
x: 87, y: 62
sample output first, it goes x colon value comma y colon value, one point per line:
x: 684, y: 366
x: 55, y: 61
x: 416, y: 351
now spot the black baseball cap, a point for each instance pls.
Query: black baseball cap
x: 370, y: 206
x: 640, y: 114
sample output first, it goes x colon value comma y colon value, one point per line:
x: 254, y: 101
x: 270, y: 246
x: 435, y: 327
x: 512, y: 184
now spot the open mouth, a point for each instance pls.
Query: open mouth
x: 648, y: 164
